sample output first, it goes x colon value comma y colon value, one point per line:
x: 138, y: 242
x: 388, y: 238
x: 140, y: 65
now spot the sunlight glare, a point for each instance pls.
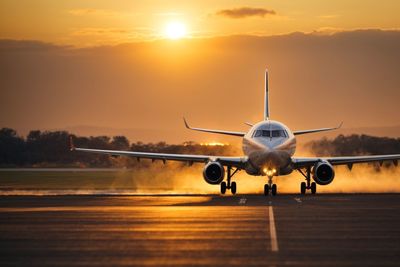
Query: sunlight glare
x: 213, y: 144
x: 175, y: 30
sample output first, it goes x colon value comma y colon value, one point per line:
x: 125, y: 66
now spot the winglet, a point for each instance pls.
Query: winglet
x: 186, y: 124
x: 71, y: 143
x: 340, y: 125
x: 249, y: 124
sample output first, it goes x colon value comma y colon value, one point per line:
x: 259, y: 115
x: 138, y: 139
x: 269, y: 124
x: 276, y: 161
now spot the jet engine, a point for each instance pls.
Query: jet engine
x: 213, y: 172
x: 323, y: 173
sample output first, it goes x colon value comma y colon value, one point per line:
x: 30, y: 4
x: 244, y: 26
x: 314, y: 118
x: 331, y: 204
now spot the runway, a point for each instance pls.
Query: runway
x: 200, y: 230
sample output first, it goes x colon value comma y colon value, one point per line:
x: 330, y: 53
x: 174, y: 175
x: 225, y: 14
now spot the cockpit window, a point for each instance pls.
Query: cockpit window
x: 257, y: 133
x: 267, y: 133
x: 279, y: 133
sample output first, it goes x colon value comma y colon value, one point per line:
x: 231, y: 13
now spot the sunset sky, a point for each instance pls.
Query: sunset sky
x: 104, y: 22
x: 136, y: 67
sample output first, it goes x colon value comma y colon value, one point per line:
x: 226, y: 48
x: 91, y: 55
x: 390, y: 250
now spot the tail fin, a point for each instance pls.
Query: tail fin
x: 266, y: 97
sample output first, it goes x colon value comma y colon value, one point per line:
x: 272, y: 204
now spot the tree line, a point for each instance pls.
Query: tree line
x: 51, y: 149
x: 354, y: 145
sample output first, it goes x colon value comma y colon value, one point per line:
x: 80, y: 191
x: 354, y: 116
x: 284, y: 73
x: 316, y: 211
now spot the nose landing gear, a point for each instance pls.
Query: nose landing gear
x: 270, y: 187
x: 307, y: 185
x: 228, y: 185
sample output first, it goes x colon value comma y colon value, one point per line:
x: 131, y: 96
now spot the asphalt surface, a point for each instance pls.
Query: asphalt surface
x: 173, y: 230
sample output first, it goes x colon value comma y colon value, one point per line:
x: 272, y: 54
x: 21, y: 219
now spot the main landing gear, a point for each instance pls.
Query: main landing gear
x: 228, y: 185
x: 307, y: 185
x: 270, y: 187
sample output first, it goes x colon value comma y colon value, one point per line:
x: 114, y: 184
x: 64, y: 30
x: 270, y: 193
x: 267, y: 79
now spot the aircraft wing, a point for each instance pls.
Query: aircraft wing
x: 306, y: 162
x: 238, y: 162
x: 317, y: 130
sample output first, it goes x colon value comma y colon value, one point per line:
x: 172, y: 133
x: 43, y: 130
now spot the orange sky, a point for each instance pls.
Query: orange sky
x: 341, y: 65
x: 104, y: 22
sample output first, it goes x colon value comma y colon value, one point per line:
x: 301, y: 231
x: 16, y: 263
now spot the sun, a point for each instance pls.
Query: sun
x: 175, y: 30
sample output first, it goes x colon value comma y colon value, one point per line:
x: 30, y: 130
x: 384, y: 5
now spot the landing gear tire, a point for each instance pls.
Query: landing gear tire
x: 233, y: 188
x: 307, y: 185
x: 223, y: 188
x: 313, y: 188
x: 274, y: 189
x: 266, y: 189
x: 303, y: 188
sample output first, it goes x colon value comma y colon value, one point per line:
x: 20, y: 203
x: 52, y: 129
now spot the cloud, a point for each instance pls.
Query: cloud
x: 94, y: 36
x: 93, y: 12
x: 328, y: 30
x: 330, y: 16
x: 244, y: 12
x: 27, y: 46
x: 98, y: 31
x: 168, y: 14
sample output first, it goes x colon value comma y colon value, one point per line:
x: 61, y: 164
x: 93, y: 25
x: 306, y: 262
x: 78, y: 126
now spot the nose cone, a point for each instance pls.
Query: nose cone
x: 268, y: 157
x: 274, y: 160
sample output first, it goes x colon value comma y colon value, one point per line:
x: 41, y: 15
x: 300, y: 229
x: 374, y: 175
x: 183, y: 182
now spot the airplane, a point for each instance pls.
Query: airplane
x: 269, y: 147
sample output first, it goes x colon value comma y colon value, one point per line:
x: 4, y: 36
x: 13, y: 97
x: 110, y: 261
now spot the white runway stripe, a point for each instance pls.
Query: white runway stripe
x: 272, y: 230
x: 297, y: 199
x: 242, y: 201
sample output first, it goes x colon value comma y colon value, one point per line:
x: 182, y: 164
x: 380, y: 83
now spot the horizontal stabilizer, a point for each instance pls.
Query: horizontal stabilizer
x: 214, y: 131
x: 317, y: 130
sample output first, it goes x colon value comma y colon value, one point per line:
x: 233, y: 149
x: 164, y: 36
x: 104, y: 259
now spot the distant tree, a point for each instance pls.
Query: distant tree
x: 120, y: 143
x: 355, y: 145
x: 33, y: 147
x: 33, y: 136
x: 53, y: 147
x: 102, y: 142
x: 12, y: 148
x: 99, y: 160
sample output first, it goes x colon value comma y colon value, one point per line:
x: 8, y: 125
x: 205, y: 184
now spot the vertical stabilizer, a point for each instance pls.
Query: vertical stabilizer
x: 266, y: 98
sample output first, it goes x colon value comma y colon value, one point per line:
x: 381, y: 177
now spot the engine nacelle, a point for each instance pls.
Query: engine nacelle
x: 213, y: 172
x: 323, y: 173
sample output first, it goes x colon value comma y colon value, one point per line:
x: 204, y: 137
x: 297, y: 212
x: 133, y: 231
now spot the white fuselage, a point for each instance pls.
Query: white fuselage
x: 269, y: 146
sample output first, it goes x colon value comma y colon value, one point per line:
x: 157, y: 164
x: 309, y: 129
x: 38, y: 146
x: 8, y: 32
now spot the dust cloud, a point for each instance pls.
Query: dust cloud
x: 177, y: 178
x: 363, y: 178
x: 173, y: 178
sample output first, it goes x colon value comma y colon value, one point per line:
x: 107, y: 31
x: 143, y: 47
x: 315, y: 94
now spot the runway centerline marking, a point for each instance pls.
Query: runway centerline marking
x: 298, y: 199
x: 272, y: 230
